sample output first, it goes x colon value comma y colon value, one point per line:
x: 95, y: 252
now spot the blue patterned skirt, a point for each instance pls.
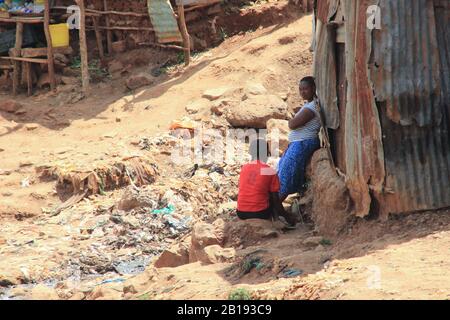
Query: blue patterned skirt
x: 292, y: 166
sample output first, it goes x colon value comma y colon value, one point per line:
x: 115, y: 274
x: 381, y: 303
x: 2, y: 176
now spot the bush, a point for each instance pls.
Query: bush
x: 240, y: 294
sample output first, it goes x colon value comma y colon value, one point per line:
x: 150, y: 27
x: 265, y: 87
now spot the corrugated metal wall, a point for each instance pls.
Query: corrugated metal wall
x: 397, y: 140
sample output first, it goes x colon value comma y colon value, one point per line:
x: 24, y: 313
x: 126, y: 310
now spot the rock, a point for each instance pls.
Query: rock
x: 44, y: 80
x: 219, y: 106
x: 176, y: 256
x: 278, y: 131
x: 254, y: 89
x: 204, y: 235
x: 312, y: 241
x: 115, y: 66
x: 214, y: 94
x: 217, y: 254
x: 10, y: 277
x: 137, y: 81
x: 77, y: 296
x: 18, y: 292
x: 10, y: 106
x: 31, y: 126
x: 196, y: 106
x: 69, y: 72
x: 42, y: 292
x: 256, y: 111
x: 105, y: 293
x: 249, y: 232
x: 69, y: 80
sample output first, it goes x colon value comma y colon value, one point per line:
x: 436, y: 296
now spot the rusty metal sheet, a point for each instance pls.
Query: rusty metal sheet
x: 397, y: 124
x: 363, y: 145
x: 405, y: 62
x: 417, y: 147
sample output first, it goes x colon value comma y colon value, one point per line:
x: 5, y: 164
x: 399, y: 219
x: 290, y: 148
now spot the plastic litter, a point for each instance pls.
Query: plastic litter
x: 165, y: 211
x: 291, y: 273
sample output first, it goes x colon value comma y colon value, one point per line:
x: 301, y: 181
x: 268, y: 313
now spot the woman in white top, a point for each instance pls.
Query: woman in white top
x: 303, y: 141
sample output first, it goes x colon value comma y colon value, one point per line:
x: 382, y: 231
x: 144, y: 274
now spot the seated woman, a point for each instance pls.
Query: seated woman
x: 259, y: 186
x: 303, y: 141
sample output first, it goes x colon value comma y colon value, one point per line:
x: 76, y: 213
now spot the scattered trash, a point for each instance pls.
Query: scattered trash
x: 167, y: 210
x: 118, y: 280
x: 25, y: 183
x: 292, y: 273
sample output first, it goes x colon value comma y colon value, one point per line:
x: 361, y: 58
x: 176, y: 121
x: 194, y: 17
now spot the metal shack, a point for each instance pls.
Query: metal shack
x: 383, y: 76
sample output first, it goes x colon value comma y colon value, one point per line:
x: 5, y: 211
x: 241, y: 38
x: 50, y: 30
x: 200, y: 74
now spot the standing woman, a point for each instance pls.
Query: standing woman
x: 303, y: 141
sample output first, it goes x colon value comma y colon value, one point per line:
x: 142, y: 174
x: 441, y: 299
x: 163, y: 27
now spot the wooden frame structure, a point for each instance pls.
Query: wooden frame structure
x: 19, y: 59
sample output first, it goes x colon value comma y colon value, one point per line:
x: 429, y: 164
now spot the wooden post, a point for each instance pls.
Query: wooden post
x: 108, y: 32
x: 184, y: 33
x: 18, y: 46
x: 48, y: 37
x: 29, y: 78
x: 83, y: 48
x: 98, y: 37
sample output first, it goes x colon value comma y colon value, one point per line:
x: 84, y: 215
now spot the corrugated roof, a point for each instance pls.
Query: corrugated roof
x: 164, y: 21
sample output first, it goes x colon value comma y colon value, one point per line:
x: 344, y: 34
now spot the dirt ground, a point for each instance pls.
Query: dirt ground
x: 405, y: 257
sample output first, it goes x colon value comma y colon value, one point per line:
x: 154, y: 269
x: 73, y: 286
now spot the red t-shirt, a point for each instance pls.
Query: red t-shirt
x: 256, y: 182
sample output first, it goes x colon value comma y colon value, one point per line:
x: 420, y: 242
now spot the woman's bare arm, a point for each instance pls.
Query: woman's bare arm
x: 301, y: 119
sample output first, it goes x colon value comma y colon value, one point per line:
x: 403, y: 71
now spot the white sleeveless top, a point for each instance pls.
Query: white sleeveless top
x: 309, y: 130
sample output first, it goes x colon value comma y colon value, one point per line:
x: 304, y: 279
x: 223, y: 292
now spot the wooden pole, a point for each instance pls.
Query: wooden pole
x: 184, y: 33
x: 48, y: 37
x: 83, y: 48
x: 18, y: 47
x: 98, y: 36
x: 108, y: 32
x: 29, y: 78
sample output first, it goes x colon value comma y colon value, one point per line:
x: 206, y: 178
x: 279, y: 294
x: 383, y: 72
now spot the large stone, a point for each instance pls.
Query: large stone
x: 10, y: 106
x: 216, y: 254
x: 204, y: 235
x: 11, y: 277
x: 42, y: 292
x: 312, y: 241
x: 137, y: 81
x: 278, y: 132
x: 254, y: 89
x: 256, y: 111
x: 250, y: 232
x: 214, y: 94
x: 176, y: 256
x: 196, y: 106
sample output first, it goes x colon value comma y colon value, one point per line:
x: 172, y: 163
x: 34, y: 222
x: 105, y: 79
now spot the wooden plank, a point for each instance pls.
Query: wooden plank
x: 17, y: 47
x: 48, y: 37
x: 83, y: 48
x: 42, y: 52
x: 21, y: 59
x: 108, y: 32
x: 123, y: 28
x: 185, y: 35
